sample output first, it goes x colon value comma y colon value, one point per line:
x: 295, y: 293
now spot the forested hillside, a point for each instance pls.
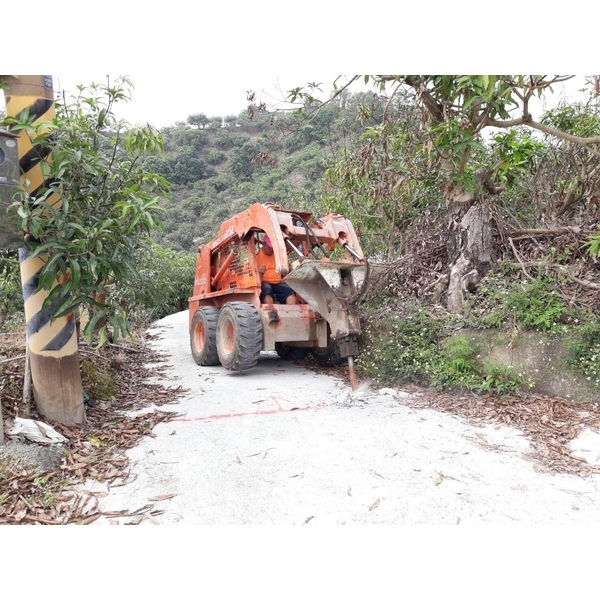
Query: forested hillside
x: 220, y: 165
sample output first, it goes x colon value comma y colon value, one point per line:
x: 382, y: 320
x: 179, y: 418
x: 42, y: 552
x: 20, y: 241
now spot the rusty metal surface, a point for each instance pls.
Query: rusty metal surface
x: 292, y: 323
x: 352, y: 373
x: 329, y: 287
x: 227, y: 267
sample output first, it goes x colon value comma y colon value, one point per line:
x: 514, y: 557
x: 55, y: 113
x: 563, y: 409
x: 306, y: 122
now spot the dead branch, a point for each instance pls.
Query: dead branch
x: 11, y: 359
x: 584, y: 283
x: 519, y: 258
x: 547, y: 231
x: 549, y: 265
x: 443, y: 279
x: 125, y: 348
x: 537, y: 264
x: 586, y: 142
x: 81, y: 350
x: 572, y: 198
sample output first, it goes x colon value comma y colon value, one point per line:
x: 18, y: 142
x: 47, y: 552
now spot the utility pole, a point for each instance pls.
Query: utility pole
x: 53, y: 346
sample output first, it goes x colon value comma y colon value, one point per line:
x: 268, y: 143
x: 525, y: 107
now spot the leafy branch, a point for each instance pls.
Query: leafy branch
x: 108, y: 204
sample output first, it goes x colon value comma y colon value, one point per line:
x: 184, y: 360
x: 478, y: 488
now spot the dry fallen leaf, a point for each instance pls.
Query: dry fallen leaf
x: 375, y: 504
x: 90, y: 519
x: 163, y: 497
x: 265, y: 453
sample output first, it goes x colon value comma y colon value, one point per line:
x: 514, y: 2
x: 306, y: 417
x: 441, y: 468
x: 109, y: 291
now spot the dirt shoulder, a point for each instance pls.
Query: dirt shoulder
x: 39, y: 483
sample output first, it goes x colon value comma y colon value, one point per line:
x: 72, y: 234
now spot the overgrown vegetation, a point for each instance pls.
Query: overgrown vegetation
x: 584, y: 351
x: 405, y: 342
x: 506, y: 299
x: 11, y: 295
x: 408, y: 163
x: 219, y: 170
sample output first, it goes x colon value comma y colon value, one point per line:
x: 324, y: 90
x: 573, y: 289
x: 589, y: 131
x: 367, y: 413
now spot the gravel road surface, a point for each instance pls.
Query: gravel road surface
x: 279, y: 444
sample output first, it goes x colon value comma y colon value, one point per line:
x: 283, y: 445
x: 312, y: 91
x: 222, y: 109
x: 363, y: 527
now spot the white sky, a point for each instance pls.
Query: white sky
x: 186, y: 58
x: 165, y: 102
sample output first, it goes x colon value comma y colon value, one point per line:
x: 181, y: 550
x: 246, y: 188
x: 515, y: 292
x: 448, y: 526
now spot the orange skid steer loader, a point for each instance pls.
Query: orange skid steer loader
x: 320, y: 260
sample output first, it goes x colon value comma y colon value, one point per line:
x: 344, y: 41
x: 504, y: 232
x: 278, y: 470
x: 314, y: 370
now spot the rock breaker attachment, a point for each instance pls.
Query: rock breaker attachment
x: 333, y: 288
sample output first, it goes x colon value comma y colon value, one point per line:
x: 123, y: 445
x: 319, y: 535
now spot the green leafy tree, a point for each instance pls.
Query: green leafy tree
x: 11, y: 295
x: 381, y: 179
x: 456, y: 112
x: 109, y: 204
x: 194, y: 138
x: 240, y: 162
x: 199, y: 120
x: 231, y: 120
x: 215, y: 122
x: 216, y: 158
x: 159, y: 165
x: 186, y: 167
x: 166, y: 283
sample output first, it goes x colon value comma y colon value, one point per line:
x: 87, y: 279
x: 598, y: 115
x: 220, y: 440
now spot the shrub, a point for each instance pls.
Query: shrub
x: 584, y: 351
x: 400, y: 346
x: 501, y: 379
x: 404, y: 343
x: 458, y: 365
x: 536, y: 305
x: 530, y: 304
x: 167, y: 282
x: 216, y: 158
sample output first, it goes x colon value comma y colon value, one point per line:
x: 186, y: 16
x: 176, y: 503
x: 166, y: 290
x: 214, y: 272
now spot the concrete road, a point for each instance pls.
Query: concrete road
x: 279, y: 444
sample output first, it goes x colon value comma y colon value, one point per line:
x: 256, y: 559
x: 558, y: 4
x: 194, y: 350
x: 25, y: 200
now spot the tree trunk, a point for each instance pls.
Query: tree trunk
x: 470, y: 251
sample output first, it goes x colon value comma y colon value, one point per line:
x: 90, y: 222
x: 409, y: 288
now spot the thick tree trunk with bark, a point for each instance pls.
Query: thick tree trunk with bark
x: 470, y: 251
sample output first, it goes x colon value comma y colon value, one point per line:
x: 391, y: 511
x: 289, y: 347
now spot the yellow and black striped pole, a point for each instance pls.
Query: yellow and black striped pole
x: 53, y: 348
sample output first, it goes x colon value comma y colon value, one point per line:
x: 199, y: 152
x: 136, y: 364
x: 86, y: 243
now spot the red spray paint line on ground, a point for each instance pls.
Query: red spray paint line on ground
x: 247, y: 414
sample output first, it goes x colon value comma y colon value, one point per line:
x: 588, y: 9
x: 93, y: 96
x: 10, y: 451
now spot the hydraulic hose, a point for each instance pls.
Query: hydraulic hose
x: 310, y: 232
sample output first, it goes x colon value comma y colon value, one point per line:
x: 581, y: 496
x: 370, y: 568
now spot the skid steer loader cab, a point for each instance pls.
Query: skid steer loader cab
x: 320, y: 260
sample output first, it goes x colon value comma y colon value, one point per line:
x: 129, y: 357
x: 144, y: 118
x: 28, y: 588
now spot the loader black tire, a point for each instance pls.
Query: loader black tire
x: 239, y: 336
x: 291, y: 352
x: 284, y: 351
x: 203, y: 336
x: 328, y: 356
